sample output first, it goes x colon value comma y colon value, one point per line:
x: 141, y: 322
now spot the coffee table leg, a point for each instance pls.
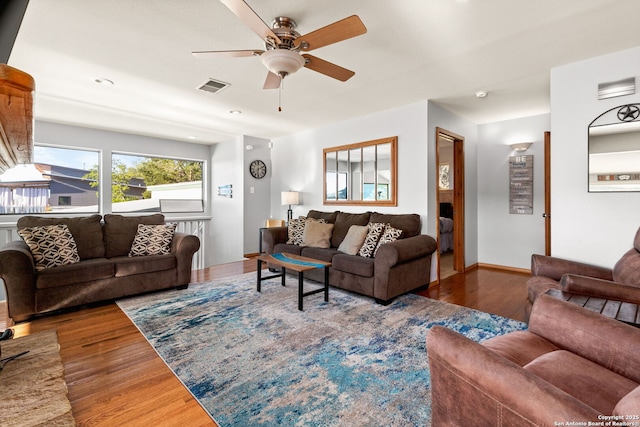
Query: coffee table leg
x: 259, y: 274
x: 284, y: 274
x: 300, y: 290
x: 326, y: 284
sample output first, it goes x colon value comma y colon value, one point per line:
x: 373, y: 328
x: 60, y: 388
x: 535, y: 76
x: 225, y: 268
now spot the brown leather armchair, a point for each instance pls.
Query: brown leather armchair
x: 622, y: 283
x: 571, y: 365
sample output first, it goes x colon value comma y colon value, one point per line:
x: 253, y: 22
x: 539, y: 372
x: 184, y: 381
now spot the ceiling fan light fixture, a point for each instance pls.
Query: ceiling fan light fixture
x: 282, y: 62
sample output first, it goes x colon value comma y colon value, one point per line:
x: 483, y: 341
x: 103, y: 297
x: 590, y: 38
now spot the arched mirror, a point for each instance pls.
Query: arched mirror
x: 364, y: 173
x: 614, y: 150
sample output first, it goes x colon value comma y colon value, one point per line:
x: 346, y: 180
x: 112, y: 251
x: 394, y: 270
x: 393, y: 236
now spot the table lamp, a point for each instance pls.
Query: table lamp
x: 290, y: 198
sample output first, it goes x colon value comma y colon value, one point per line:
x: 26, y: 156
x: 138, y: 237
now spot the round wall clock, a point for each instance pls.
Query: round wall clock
x: 258, y: 169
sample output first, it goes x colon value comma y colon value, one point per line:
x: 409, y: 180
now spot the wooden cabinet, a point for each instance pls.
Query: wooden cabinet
x: 16, y: 117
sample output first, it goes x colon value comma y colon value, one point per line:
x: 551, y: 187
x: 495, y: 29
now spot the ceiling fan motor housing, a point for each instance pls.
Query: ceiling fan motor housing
x: 284, y: 28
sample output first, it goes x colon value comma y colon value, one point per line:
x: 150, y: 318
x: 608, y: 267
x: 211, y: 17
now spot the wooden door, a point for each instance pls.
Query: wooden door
x: 456, y: 198
x: 547, y: 193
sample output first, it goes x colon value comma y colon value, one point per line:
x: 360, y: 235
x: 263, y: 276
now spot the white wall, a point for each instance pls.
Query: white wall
x: 503, y: 238
x: 226, y: 235
x: 257, y: 193
x: 591, y: 227
x: 298, y: 164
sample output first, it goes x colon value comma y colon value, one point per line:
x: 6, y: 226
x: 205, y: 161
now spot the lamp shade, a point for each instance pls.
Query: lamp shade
x: 521, y: 147
x: 290, y: 198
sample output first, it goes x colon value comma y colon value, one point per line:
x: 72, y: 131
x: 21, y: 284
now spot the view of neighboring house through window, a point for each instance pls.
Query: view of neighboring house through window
x: 145, y: 184
x: 56, y: 182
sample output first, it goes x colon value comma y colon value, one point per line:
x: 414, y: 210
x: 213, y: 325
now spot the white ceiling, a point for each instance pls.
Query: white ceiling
x: 441, y: 50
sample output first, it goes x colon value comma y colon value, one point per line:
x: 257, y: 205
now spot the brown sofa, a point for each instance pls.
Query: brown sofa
x: 104, y: 272
x: 572, y: 365
x: 397, y: 268
x: 621, y: 283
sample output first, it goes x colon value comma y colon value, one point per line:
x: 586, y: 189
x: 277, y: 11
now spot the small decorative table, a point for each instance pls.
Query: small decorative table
x: 295, y: 263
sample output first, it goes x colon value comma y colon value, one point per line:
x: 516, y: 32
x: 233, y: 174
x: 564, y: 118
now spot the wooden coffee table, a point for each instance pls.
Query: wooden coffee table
x: 296, y: 263
x: 620, y: 310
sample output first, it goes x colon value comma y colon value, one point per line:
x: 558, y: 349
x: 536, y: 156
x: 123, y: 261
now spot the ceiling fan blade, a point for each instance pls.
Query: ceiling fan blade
x: 272, y: 82
x: 333, y: 33
x: 243, y: 11
x: 226, y: 53
x: 327, y: 68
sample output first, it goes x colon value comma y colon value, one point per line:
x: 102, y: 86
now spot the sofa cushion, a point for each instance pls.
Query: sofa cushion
x: 592, y: 384
x: 322, y: 254
x: 354, y: 239
x: 287, y: 248
x: 343, y: 222
x: 152, y: 240
x: 630, y: 404
x: 389, y: 235
x: 521, y: 347
x: 50, y: 245
x: 627, y: 269
x: 128, y: 266
x: 317, y: 234
x: 408, y: 223
x: 329, y: 217
x: 353, y: 264
x: 371, y: 241
x: 119, y: 232
x: 84, y: 271
x: 86, y: 231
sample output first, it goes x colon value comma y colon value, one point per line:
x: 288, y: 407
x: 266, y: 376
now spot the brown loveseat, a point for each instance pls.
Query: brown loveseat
x: 621, y: 283
x: 572, y: 365
x: 104, y: 271
x: 397, y: 267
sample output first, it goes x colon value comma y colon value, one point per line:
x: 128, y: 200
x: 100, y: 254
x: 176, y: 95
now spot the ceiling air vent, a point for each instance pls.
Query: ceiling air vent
x: 213, y: 86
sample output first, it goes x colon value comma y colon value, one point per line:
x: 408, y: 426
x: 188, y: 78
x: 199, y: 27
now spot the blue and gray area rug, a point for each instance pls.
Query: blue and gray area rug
x: 253, y: 359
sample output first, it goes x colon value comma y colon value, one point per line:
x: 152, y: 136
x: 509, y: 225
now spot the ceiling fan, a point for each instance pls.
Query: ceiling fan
x: 283, y: 44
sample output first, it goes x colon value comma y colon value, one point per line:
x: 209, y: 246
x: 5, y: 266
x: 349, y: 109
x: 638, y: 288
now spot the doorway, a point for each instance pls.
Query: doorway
x: 449, y: 203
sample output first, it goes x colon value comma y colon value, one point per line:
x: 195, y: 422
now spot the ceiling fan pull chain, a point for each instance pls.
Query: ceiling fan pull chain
x: 280, y: 94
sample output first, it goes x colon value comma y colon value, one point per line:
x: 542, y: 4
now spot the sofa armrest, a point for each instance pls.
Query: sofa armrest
x: 18, y: 272
x: 599, y: 288
x: 472, y: 385
x: 272, y: 236
x: 184, y: 246
x: 602, y: 340
x: 403, y: 250
x: 555, y: 267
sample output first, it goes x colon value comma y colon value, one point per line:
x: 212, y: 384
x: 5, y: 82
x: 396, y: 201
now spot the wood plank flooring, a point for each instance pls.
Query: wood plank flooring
x: 115, y: 377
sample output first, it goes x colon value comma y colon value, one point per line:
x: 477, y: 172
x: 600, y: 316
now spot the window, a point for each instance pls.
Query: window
x: 64, y: 200
x: 59, y: 181
x: 140, y: 184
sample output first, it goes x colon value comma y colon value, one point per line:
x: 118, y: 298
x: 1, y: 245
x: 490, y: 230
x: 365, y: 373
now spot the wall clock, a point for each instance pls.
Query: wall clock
x: 258, y: 169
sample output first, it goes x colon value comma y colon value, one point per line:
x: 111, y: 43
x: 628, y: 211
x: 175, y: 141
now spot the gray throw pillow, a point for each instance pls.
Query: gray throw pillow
x: 354, y: 239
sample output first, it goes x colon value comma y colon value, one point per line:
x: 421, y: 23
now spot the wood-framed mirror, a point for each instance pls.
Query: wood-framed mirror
x: 364, y: 173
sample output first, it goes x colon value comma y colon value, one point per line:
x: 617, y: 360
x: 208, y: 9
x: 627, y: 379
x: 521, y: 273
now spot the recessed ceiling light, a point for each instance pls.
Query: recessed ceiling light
x: 191, y: 137
x: 481, y: 94
x: 104, y: 81
x: 235, y: 112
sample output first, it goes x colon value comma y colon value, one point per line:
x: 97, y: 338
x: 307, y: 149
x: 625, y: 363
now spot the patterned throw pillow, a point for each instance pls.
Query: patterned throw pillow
x: 390, y: 235
x: 371, y: 241
x: 50, y: 245
x: 152, y: 240
x: 295, y: 230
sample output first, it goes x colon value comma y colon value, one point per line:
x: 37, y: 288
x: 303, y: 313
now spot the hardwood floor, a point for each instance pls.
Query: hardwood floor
x: 115, y: 377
